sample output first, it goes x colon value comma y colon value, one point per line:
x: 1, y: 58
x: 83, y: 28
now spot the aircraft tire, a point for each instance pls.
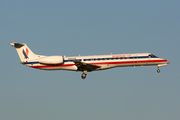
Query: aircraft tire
x: 83, y: 76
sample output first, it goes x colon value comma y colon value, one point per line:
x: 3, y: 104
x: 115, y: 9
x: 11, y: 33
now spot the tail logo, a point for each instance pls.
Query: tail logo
x: 26, y: 53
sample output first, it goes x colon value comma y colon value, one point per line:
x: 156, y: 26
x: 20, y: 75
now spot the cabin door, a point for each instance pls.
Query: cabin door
x: 135, y: 60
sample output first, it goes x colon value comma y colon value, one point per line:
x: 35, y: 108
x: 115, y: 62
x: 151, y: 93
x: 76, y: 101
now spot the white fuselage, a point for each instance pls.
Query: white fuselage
x: 85, y: 63
x: 104, y: 61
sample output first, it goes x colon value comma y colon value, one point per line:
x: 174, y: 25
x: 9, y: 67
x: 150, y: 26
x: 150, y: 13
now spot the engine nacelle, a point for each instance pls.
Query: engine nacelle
x: 52, y: 60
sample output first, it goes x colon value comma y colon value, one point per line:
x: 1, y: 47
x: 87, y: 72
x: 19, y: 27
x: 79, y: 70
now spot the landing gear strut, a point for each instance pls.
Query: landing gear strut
x: 158, y: 70
x: 84, y: 74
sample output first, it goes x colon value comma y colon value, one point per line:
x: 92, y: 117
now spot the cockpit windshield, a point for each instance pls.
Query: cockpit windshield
x: 152, y: 56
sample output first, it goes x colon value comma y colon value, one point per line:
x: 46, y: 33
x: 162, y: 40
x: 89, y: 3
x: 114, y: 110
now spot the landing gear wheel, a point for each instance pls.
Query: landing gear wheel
x: 83, y: 76
x: 158, y: 70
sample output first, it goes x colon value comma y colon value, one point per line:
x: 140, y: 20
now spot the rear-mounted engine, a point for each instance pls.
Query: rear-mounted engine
x: 52, y: 60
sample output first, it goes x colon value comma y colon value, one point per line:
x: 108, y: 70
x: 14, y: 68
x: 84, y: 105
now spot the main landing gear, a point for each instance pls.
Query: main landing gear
x: 84, y: 74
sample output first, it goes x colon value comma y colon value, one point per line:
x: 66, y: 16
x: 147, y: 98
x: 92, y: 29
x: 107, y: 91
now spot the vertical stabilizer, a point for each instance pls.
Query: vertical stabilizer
x: 24, y: 52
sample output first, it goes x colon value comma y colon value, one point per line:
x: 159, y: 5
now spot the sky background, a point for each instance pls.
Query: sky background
x: 93, y: 27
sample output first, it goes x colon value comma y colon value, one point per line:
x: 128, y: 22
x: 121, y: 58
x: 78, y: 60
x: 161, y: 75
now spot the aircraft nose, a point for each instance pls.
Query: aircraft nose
x: 168, y: 62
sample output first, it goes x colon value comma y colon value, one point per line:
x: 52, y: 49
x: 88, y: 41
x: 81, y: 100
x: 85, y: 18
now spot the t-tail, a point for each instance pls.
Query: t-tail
x: 24, y: 52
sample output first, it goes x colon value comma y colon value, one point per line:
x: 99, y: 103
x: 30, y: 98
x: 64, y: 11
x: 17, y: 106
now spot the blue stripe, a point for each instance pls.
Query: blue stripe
x: 112, y: 58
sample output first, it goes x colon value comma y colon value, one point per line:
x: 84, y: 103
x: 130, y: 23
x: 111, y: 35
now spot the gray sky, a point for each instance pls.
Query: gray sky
x: 92, y: 27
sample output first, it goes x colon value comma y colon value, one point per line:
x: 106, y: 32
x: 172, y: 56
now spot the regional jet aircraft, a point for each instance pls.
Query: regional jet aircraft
x: 86, y: 63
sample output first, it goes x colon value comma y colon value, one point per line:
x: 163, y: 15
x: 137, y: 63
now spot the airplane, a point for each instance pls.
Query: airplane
x: 86, y: 63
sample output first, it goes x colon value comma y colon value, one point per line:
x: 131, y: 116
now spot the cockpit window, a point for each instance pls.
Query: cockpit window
x: 152, y: 56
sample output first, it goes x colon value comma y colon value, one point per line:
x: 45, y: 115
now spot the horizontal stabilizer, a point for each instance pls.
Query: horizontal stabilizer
x: 17, y: 45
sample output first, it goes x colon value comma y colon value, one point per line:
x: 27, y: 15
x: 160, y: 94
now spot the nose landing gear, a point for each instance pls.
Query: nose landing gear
x: 158, y: 70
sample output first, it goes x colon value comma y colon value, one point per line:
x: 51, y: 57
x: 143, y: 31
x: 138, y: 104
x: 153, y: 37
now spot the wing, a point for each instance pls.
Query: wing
x: 85, y: 66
